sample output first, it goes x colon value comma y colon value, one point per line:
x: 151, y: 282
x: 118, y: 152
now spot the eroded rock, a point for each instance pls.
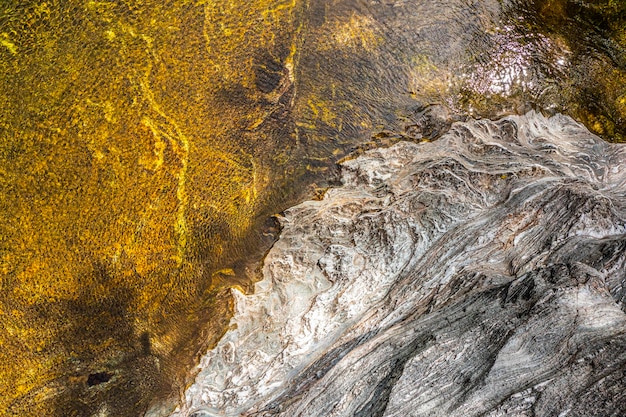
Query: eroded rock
x: 481, y: 274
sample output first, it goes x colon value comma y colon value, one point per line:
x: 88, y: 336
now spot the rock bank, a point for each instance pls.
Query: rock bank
x: 480, y: 274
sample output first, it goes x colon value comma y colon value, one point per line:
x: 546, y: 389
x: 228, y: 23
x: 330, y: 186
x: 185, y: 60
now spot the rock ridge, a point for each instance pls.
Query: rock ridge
x: 478, y: 275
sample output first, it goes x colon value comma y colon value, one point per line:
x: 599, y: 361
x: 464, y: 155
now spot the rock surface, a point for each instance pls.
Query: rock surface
x: 481, y: 274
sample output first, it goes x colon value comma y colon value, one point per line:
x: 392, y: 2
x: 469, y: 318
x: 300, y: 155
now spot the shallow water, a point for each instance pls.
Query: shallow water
x: 143, y: 146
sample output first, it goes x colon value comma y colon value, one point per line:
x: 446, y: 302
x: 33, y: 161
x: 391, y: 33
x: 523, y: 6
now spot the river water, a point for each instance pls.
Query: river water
x: 145, y: 145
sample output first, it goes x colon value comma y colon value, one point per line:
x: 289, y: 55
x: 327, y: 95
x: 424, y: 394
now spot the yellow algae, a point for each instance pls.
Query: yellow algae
x: 358, y: 31
x: 274, y: 8
x: 291, y: 60
x: 427, y: 80
x: 4, y: 41
x: 135, y: 177
x: 180, y: 147
x: 154, y: 160
x: 323, y: 111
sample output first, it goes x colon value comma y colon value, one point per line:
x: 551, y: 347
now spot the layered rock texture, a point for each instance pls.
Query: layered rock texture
x: 478, y: 275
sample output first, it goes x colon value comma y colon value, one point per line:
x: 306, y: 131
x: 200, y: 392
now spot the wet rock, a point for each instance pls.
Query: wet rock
x: 481, y: 274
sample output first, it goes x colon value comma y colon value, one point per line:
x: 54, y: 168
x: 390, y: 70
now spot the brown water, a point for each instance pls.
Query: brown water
x: 144, y: 144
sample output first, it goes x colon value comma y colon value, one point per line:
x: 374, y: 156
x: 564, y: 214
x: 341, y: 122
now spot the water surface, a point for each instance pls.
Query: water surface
x: 143, y: 146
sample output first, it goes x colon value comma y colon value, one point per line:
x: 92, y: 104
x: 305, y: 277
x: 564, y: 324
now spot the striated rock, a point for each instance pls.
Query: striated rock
x: 481, y: 274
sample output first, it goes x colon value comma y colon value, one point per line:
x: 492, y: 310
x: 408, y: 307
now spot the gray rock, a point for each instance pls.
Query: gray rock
x: 478, y: 275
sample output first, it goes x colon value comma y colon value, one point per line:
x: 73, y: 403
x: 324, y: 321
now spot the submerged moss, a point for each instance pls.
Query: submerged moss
x: 124, y: 187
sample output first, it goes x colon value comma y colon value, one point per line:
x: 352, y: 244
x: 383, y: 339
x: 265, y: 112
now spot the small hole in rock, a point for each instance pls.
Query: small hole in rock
x: 98, y: 378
